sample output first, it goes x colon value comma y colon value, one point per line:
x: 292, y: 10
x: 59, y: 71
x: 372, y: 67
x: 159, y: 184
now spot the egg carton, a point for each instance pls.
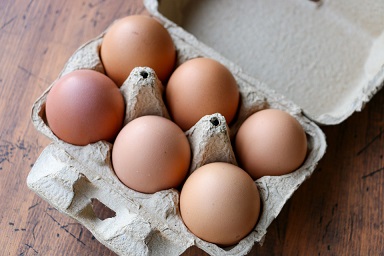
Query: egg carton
x: 71, y: 177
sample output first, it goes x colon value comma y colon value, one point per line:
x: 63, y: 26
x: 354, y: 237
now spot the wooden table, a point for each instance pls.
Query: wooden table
x: 338, y: 211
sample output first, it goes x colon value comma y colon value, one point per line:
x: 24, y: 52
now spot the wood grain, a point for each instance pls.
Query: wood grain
x: 338, y: 211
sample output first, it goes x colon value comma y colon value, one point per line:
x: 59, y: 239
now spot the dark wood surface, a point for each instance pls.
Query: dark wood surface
x: 338, y: 211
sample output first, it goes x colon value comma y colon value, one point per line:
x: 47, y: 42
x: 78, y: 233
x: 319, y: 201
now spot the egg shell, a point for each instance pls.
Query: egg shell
x: 270, y: 142
x: 220, y: 203
x: 89, y: 101
x: 199, y: 87
x: 137, y: 40
x: 150, y: 154
x: 69, y: 176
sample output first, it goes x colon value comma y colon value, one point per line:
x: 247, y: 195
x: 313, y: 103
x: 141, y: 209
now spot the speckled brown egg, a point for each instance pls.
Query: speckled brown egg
x: 199, y: 87
x: 270, y: 142
x: 137, y: 41
x: 85, y: 106
x: 220, y: 203
x: 150, y: 154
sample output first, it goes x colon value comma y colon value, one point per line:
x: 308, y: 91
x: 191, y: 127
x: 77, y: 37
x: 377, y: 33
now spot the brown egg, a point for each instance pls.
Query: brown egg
x: 270, y: 142
x: 136, y: 41
x: 151, y: 153
x: 85, y: 106
x: 220, y: 203
x: 200, y: 87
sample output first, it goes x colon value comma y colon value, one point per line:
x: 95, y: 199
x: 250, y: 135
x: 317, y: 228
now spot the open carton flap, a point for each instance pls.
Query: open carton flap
x: 326, y: 56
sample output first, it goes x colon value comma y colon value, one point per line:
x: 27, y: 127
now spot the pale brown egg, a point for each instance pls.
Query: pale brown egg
x: 220, y: 203
x: 151, y: 153
x: 137, y: 41
x: 270, y: 142
x: 85, y: 106
x: 199, y: 87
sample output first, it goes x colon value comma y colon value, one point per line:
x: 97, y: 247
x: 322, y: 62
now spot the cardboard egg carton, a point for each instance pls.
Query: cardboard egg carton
x: 69, y: 177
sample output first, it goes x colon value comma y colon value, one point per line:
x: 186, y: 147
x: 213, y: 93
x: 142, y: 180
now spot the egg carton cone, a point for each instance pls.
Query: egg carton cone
x: 71, y: 177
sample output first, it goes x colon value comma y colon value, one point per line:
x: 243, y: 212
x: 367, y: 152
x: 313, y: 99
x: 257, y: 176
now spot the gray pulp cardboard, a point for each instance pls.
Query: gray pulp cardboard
x: 326, y: 56
x: 69, y: 177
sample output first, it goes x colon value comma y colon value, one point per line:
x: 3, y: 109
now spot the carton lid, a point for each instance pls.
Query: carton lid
x: 326, y: 56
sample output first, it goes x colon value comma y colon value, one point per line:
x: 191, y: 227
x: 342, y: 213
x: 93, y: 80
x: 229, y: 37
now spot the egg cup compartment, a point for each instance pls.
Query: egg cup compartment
x: 70, y: 177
